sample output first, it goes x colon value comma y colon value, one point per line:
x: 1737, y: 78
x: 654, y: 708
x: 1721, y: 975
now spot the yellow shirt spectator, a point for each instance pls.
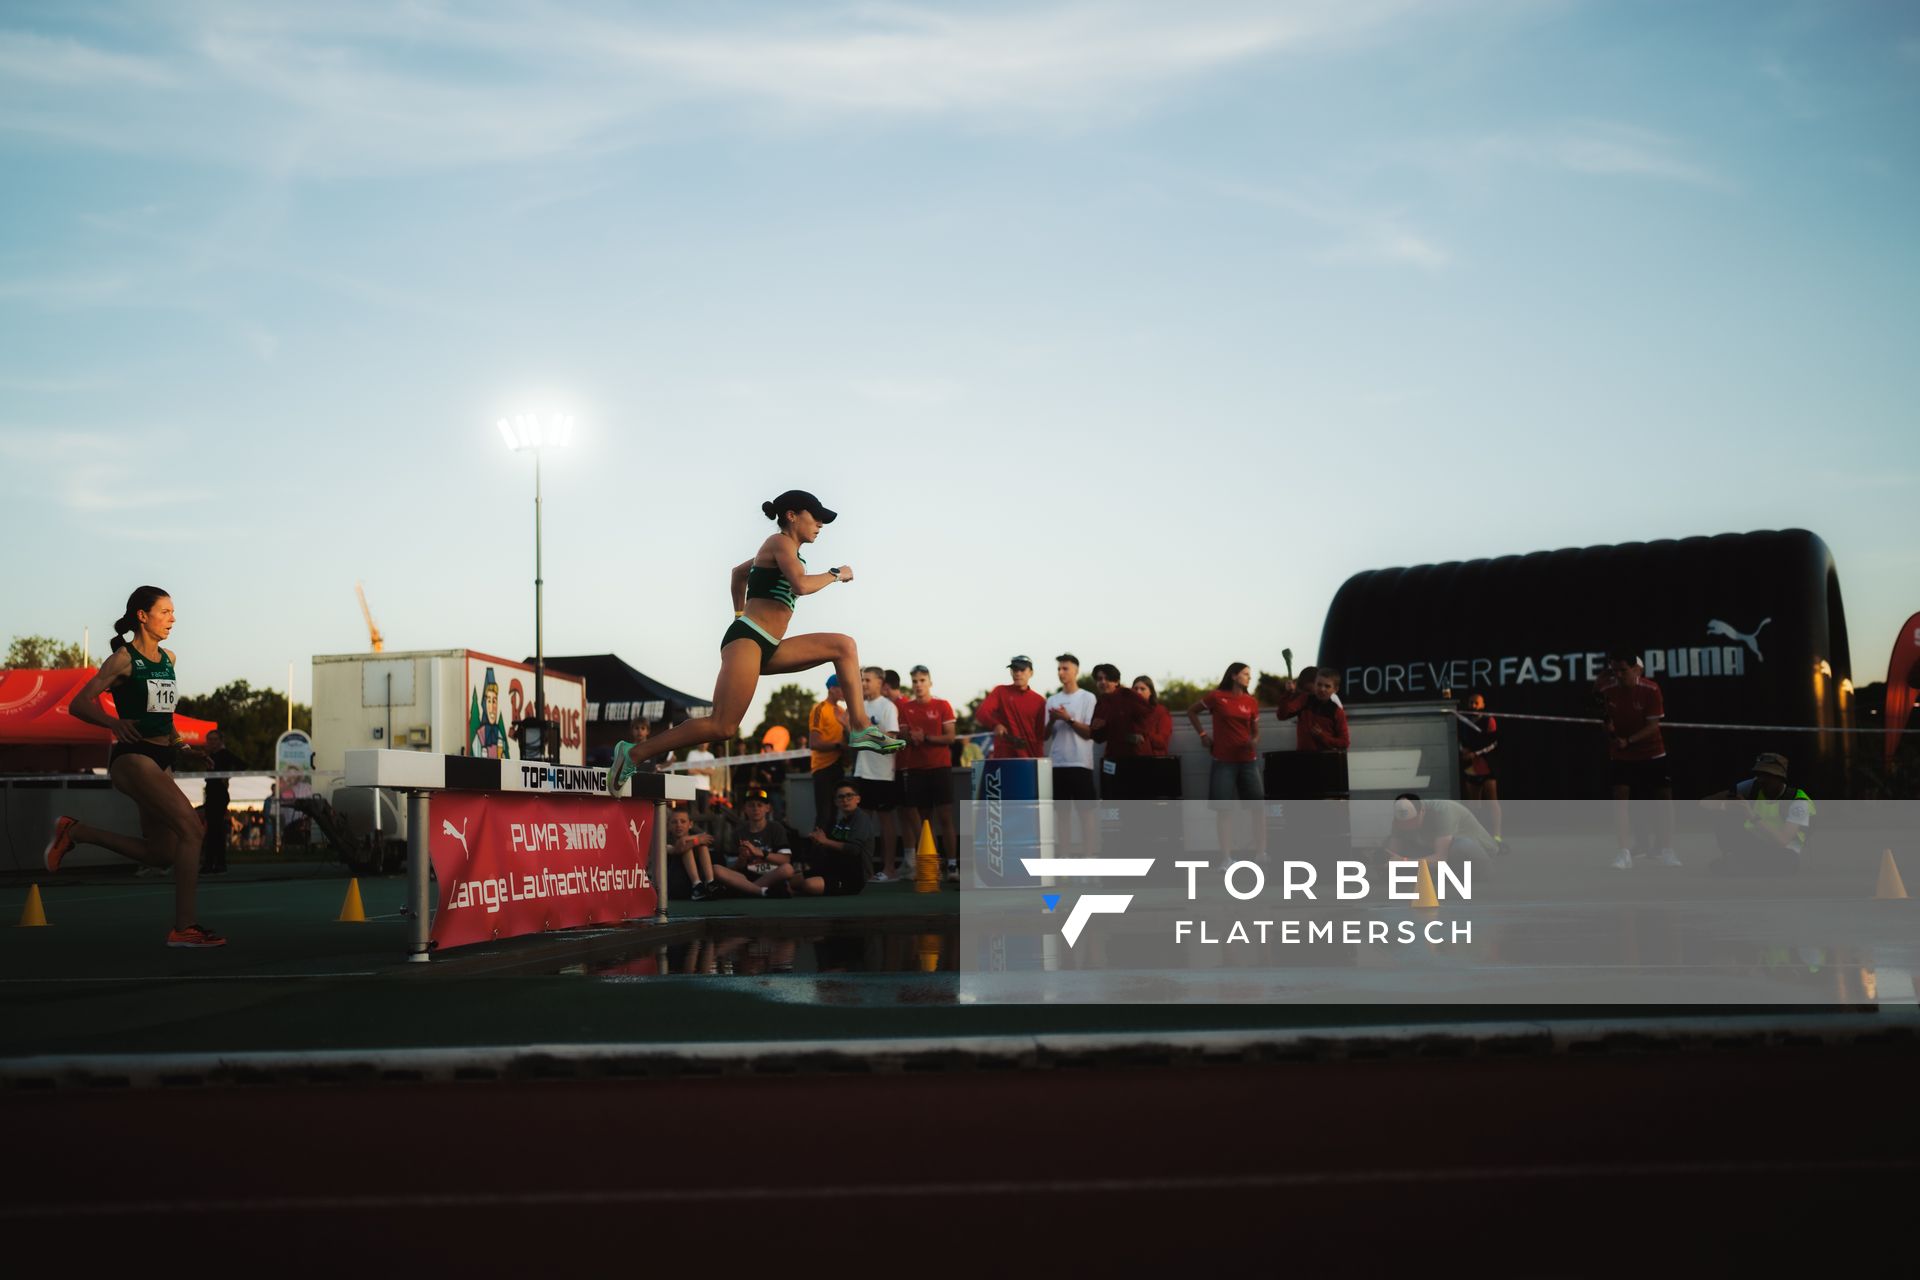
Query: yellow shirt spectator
x: 825, y: 726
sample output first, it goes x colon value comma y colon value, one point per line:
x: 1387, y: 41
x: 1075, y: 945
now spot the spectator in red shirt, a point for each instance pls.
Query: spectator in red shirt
x: 1320, y: 722
x: 926, y: 781
x: 1233, y: 781
x: 1155, y: 725
x: 1016, y: 714
x: 1320, y: 732
x: 1636, y: 754
x: 1115, y: 715
x: 1479, y: 735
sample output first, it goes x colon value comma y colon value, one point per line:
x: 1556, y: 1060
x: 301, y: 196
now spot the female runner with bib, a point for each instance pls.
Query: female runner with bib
x: 765, y: 591
x: 141, y: 678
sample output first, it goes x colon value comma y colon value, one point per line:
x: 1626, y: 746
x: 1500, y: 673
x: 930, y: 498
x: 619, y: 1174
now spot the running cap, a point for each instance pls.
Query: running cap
x: 1406, y: 811
x: 1020, y: 660
x: 757, y: 793
x: 833, y: 682
x: 1771, y: 762
x: 798, y: 500
x: 920, y: 669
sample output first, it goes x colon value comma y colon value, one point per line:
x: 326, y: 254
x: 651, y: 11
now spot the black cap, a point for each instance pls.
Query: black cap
x: 1020, y: 660
x: 798, y: 500
x: 757, y: 793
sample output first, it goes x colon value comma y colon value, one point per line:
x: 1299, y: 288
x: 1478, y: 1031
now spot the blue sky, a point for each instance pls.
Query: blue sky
x: 1127, y: 328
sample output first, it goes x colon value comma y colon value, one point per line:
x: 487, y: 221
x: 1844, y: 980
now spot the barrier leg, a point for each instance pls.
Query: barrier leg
x: 418, y: 887
x: 660, y: 862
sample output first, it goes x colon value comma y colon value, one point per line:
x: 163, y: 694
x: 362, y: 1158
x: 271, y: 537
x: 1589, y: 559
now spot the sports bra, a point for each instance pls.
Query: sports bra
x: 771, y: 584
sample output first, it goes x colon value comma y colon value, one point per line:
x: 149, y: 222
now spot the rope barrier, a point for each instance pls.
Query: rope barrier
x: 1685, y: 724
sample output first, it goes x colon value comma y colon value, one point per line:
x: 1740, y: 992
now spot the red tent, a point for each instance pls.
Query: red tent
x: 34, y: 715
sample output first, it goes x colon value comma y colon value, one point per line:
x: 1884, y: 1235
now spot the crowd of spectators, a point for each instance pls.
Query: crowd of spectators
x: 1114, y: 741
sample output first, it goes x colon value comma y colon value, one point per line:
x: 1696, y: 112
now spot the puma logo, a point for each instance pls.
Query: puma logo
x: 460, y: 835
x: 634, y: 827
x: 1719, y: 628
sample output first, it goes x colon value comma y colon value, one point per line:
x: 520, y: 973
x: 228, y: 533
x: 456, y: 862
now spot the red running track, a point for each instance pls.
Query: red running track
x: 1703, y: 1162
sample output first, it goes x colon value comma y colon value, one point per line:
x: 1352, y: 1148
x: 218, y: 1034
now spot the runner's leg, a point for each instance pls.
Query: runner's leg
x: 739, y: 673
x: 172, y: 828
x: 798, y: 653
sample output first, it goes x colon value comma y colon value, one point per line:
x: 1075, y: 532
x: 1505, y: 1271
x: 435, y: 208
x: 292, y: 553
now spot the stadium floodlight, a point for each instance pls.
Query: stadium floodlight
x: 531, y: 431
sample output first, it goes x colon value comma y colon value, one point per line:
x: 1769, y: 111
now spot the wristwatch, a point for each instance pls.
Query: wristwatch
x: 834, y: 573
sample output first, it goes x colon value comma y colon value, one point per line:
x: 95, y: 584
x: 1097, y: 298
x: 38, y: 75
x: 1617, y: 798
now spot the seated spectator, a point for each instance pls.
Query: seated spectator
x: 691, y: 874
x: 1440, y: 830
x: 837, y: 862
x: 1762, y: 823
x: 758, y: 842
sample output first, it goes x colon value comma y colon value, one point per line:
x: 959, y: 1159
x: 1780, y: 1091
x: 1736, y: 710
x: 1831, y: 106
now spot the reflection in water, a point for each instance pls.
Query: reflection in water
x: 747, y: 955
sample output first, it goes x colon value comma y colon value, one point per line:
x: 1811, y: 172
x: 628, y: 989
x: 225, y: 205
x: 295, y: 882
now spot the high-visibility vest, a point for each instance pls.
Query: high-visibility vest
x: 1767, y: 815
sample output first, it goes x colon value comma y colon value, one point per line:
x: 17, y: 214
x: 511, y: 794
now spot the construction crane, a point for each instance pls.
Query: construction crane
x: 379, y: 645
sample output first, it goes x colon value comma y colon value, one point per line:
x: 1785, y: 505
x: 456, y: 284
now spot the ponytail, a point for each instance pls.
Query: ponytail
x: 143, y: 599
x: 772, y: 512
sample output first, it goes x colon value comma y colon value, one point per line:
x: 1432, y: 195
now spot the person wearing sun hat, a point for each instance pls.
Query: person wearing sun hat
x: 1762, y: 822
x: 766, y: 590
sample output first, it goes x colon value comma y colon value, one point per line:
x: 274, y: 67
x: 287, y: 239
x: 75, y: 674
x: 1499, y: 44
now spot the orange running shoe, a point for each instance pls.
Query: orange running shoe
x: 62, y: 841
x: 194, y: 935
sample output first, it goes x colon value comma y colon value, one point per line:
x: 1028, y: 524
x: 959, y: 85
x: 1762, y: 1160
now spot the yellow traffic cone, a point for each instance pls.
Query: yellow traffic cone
x: 1427, y: 896
x: 351, y: 910
x: 34, y: 916
x: 1890, y: 886
x: 926, y: 862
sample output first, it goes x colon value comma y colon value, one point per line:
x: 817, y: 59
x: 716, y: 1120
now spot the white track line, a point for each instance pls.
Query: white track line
x: 1305, y: 1179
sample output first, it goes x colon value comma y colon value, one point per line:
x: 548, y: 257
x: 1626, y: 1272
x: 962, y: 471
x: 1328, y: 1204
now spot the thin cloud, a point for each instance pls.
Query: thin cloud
x: 1355, y: 233
x: 367, y: 88
x: 28, y: 57
x: 1596, y: 147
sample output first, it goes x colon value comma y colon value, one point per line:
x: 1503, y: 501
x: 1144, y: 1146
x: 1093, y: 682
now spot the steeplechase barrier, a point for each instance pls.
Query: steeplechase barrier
x: 520, y: 847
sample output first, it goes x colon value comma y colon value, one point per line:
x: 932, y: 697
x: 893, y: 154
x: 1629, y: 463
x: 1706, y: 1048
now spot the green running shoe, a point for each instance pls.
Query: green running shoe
x: 621, y: 769
x: 872, y: 738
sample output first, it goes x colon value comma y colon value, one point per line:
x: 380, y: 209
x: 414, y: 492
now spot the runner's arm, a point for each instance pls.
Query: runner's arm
x: 788, y: 559
x: 86, y: 703
x: 739, y: 586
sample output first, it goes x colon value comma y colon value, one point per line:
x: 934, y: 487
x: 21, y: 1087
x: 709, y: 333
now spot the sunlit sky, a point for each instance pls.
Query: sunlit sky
x: 1127, y: 328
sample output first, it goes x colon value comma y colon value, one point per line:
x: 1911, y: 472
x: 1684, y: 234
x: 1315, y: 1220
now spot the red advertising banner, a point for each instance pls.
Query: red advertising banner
x: 516, y: 864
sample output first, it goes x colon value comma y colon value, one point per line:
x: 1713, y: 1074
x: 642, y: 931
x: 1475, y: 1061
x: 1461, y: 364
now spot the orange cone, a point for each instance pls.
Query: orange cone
x: 1427, y: 896
x: 33, y: 915
x: 926, y: 862
x: 1890, y: 886
x: 351, y: 910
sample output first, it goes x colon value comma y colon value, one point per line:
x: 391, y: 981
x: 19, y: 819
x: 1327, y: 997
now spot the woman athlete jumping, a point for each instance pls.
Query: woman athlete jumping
x: 765, y: 589
x: 141, y: 678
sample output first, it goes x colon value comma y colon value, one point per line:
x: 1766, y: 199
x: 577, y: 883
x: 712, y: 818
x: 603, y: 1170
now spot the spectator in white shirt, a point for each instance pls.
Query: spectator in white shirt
x: 1070, y: 746
x: 873, y: 771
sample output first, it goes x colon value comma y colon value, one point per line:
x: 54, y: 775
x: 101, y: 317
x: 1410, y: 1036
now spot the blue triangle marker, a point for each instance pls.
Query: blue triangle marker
x: 1051, y: 899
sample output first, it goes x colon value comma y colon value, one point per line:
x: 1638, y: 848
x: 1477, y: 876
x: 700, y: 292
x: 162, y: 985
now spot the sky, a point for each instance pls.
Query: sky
x: 1131, y: 329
